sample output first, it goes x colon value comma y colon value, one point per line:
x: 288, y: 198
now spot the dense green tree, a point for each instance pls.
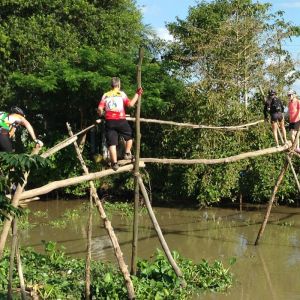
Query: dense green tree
x: 39, y: 36
x: 225, y: 50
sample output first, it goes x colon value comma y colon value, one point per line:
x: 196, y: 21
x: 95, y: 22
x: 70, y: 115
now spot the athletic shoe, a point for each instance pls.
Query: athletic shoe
x: 115, y: 166
x: 129, y: 156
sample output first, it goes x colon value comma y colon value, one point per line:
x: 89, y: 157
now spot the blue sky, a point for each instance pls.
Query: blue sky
x: 157, y: 13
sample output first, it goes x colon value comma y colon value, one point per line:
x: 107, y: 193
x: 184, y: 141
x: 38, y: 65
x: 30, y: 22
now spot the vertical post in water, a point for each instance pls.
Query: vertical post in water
x: 136, y: 166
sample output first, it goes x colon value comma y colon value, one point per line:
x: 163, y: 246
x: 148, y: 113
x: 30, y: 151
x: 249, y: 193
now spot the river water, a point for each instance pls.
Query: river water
x: 270, y: 270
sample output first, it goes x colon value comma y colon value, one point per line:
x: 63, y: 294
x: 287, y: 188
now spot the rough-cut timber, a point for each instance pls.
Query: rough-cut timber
x: 75, y: 180
x: 238, y: 127
x: 207, y: 161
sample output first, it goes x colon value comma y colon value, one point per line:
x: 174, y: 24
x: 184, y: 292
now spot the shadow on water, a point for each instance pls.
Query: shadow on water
x: 268, y: 271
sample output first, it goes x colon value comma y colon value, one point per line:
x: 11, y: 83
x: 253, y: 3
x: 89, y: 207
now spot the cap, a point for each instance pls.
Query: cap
x: 291, y: 92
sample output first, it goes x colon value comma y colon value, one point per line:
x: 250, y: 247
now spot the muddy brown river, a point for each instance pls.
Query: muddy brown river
x: 270, y: 270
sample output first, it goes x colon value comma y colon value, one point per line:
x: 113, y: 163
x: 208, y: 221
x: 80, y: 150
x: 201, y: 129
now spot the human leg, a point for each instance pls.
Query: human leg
x: 297, y: 125
x: 126, y: 132
x: 112, y: 141
x: 274, y: 129
x: 282, y: 127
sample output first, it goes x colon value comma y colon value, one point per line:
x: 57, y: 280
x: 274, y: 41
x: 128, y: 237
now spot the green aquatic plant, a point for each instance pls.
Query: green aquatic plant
x: 23, y: 221
x: 57, y: 276
x: 71, y: 214
x: 122, y: 208
x: 58, y: 223
x: 41, y: 214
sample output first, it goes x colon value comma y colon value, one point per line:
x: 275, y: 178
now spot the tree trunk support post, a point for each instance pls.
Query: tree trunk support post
x: 278, y: 182
x: 136, y: 167
x: 89, y: 249
x: 107, y: 224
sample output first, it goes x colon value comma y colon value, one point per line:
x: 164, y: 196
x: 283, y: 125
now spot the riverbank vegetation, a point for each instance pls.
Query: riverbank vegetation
x: 53, y: 275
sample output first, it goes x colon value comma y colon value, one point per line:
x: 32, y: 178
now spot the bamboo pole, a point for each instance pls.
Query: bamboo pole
x: 74, y: 180
x: 136, y: 167
x: 269, y: 207
x: 59, y: 146
x: 289, y: 160
x: 207, y: 161
x: 89, y: 250
x: 195, y: 126
x: 159, y: 233
x: 11, y: 261
x: 20, y: 271
x: 277, y: 184
x: 107, y: 224
x: 15, y: 253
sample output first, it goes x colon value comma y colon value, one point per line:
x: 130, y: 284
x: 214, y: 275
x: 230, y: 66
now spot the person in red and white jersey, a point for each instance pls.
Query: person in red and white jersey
x: 8, y: 125
x: 294, y: 116
x: 113, y: 103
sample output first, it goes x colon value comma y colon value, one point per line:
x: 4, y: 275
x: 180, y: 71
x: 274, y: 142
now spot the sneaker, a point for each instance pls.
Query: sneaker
x: 115, y: 166
x: 129, y: 156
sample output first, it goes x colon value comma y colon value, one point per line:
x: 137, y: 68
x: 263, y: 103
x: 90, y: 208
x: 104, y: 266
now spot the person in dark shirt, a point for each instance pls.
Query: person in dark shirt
x: 274, y: 109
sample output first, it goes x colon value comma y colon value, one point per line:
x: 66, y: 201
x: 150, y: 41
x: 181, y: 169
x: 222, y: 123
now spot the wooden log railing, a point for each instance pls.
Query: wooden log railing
x: 198, y: 126
x: 207, y: 161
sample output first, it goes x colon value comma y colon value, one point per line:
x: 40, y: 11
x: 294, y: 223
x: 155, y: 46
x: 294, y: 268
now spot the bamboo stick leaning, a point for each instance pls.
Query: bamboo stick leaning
x: 107, y: 223
x: 277, y: 184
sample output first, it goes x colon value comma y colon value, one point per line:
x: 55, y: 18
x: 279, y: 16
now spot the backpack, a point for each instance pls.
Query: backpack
x: 275, y: 106
x: 3, y: 124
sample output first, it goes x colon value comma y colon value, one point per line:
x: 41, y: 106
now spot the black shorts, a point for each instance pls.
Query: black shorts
x: 114, y: 128
x: 276, y: 117
x: 294, y: 126
x: 5, y: 142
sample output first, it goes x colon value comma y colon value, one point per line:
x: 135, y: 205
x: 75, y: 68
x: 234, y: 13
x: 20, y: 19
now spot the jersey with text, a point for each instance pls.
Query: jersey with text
x: 114, y: 103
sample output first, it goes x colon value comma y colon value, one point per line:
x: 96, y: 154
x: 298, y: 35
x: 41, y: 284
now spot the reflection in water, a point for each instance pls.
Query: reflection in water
x: 268, y: 271
x: 99, y: 246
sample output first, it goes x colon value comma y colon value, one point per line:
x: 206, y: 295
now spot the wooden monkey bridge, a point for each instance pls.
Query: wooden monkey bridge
x: 20, y: 197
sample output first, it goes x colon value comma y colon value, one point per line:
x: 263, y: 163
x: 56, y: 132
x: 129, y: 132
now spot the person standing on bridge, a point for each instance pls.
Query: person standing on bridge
x: 113, y: 104
x: 294, y: 116
x: 275, y: 108
x: 8, y: 125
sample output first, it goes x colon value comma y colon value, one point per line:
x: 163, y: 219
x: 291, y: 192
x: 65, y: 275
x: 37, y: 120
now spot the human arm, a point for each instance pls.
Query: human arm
x: 30, y: 130
x: 135, y: 98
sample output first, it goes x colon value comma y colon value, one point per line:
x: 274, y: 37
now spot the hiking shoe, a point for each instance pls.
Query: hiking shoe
x: 115, y: 166
x: 129, y: 156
